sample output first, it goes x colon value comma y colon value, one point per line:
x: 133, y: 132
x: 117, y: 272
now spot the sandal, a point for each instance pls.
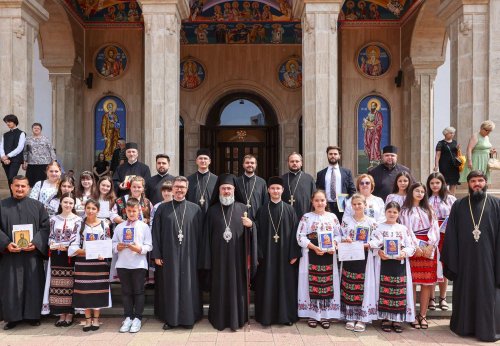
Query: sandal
x: 443, y: 305
x: 312, y: 323
x: 60, y: 323
x: 415, y: 324
x: 87, y: 328
x: 360, y: 327
x: 422, y: 319
x: 386, y: 326
x: 325, y: 324
x: 398, y: 328
x: 350, y: 325
x: 432, y: 304
x: 95, y: 324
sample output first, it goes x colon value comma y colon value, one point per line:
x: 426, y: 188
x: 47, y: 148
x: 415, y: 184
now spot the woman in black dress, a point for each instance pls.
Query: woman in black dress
x: 101, y: 167
x: 446, y: 151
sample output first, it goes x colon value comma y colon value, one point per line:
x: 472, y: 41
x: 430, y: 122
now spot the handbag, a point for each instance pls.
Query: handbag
x: 494, y: 163
x: 463, y: 159
x: 456, y: 160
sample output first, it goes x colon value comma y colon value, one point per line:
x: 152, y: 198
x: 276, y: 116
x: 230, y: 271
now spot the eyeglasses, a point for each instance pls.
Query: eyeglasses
x: 179, y: 187
x: 365, y: 183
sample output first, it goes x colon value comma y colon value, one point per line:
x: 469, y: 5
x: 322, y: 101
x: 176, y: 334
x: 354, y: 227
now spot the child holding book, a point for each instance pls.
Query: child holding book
x: 393, y: 281
x: 131, y: 242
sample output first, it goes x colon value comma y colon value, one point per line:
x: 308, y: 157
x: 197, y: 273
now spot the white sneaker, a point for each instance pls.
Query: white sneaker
x: 136, y: 325
x: 126, y: 324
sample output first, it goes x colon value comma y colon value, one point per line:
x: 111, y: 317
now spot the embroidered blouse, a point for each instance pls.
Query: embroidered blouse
x: 417, y: 221
x: 88, y: 233
x: 375, y: 208
x: 442, y: 208
x: 43, y: 193
x: 385, y: 230
x: 349, y: 228
x: 313, y: 223
x: 394, y: 197
x: 62, y: 229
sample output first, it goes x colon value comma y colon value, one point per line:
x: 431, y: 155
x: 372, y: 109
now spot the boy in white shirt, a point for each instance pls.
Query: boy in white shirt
x: 132, y: 241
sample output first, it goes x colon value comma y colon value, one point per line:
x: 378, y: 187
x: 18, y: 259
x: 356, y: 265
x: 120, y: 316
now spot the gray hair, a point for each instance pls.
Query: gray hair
x: 449, y: 129
x: 488, y: 125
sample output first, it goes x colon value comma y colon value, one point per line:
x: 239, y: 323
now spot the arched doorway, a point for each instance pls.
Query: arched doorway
x: 241, y: 124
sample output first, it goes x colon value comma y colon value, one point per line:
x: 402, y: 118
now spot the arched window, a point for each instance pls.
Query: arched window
x: 242, y: 112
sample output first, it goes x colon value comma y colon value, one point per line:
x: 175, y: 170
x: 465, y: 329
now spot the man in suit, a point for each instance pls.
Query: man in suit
x: 335, y: 180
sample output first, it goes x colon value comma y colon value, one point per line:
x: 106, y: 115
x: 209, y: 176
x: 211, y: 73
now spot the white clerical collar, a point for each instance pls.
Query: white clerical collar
x: 204, y: 172
x: 163, y: 175
x: 295, y: 173
x: 276, y: 202
x: 131, y: 163
x: 249, y: 176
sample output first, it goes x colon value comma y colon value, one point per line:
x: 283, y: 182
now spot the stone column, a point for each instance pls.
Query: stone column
x: 419, y: 105
x: 19, y: 23
x: 320, y: 76
x: 468, y: 30
x: 162, y: 20
x: 67, y: 118
x: 494, y: 70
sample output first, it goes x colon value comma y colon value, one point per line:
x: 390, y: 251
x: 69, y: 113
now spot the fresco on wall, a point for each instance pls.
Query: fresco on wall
x: 110, y: 116
x: 290, y: 73
x: 240, y: 11
x: 374, y: 130
x: 100, y: 12
x: 110, y: 61
x: 241, y: 33
x: 378, y: 10
x: 192, y: 74
x: 373, y: 60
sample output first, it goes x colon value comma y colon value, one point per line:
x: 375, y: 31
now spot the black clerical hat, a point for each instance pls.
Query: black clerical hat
x: 275, y: 180
x: 226, y: 179
x: 390, y: 149
x: 131, y: 145
x: 203, y: 151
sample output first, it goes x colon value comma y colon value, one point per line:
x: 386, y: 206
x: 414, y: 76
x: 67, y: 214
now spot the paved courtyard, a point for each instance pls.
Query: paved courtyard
x: 203, y: 334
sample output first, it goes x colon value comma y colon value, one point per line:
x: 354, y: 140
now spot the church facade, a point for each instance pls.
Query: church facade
x: 263, y: 77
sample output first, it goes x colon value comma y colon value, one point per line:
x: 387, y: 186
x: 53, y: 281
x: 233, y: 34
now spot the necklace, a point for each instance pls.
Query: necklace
x: 292, y: 200
x: 248, y: 198
x: 276, y: 229
x: 202, y: 193
x: 227, y: 235
x: 476, y: 232
x: 180, y: 236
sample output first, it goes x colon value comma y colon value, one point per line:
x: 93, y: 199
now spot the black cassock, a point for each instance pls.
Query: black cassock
x: 137, y: 168
x: 302, y: 187
x: 474, y: 268
x: 198, y: 186
x: 228, y: 264
x: 276, y: 280
x: 153, y: 187
x: 22, y: 275
x: 177, y: 299
x: 258, y: 196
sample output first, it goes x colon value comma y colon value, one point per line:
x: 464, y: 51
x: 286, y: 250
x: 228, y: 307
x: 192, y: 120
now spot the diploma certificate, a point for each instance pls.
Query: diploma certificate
x: 98, y: 248
x: 354, y: 251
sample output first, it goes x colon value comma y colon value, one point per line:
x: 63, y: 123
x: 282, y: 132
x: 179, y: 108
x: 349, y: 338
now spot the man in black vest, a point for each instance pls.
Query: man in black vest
x: 11, y: 147
x: 153, y: 184
x: 335, y: 180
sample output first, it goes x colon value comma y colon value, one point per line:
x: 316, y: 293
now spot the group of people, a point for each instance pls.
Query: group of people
x: 228, y: 235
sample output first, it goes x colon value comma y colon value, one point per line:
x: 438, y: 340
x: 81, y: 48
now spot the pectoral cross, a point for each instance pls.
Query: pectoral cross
x: 180, y: 236
x: 276, y: 237
x: 477, y: 233
x: 291, y: 200
x: 249, y: 205
x: 202, y: 201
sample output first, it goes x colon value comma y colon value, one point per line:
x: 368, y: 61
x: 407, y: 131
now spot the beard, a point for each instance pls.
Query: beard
x: 478, y: 195
x: 225, y: 201
x: 333, y: 161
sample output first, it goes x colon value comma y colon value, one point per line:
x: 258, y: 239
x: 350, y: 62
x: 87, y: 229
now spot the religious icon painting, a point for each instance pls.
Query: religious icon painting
x: 193, y: 74
x: 392, y: 247
x: 110, y: 61
x: 290, y: 73
x: 325, y: 240
x: 110, y: 124
x: 374, y: 130
x: 373, y: 60
x: 362, y: 234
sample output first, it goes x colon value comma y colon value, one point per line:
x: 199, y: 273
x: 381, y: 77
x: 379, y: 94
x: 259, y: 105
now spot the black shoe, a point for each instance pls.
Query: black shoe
x: 167, y: 327
x: 87, y: 328
x: 68, y: 323
x: 9, y: 325
x: 288, y: 324
x: 94, y: 328
x: 60, y: 323
x: 188, y: 326
x: 34, y: 323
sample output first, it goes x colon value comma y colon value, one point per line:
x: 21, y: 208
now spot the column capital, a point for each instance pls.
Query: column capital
x: 450, y: 10
x: 300, y: 7
x: 30, y: 10
x: 150, y: 7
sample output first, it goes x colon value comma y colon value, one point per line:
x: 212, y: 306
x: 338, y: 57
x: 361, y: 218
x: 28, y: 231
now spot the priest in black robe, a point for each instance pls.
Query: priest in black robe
x: 22, y: 274
x: 471, y: 259
x: 231, y: 255
x: 251, y: 189
x: 131, y: 167
x: 298, y: 186
x: 202, y: 182
x: 177, y: 230
x: 277, y: 274
x: 154, y: 184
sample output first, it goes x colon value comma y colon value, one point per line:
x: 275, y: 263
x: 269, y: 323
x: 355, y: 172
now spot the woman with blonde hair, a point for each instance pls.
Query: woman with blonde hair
x: 479, y: 150
x: 45, y: 190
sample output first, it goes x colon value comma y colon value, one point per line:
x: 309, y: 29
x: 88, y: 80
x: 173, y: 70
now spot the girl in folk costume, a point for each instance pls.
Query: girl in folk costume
x: 91, y: 289
x: 418, y: 217
x: 85, y: 189
x: 44, y: 190
x: 319, y: 284
x: 106, y: 197
x: 58, y: 295
x: 393, y: 281
x: 440, y: 201
x: 66, y: 185
x: 357, y: 300
x: 374, y: 205
x: 400, y: 189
